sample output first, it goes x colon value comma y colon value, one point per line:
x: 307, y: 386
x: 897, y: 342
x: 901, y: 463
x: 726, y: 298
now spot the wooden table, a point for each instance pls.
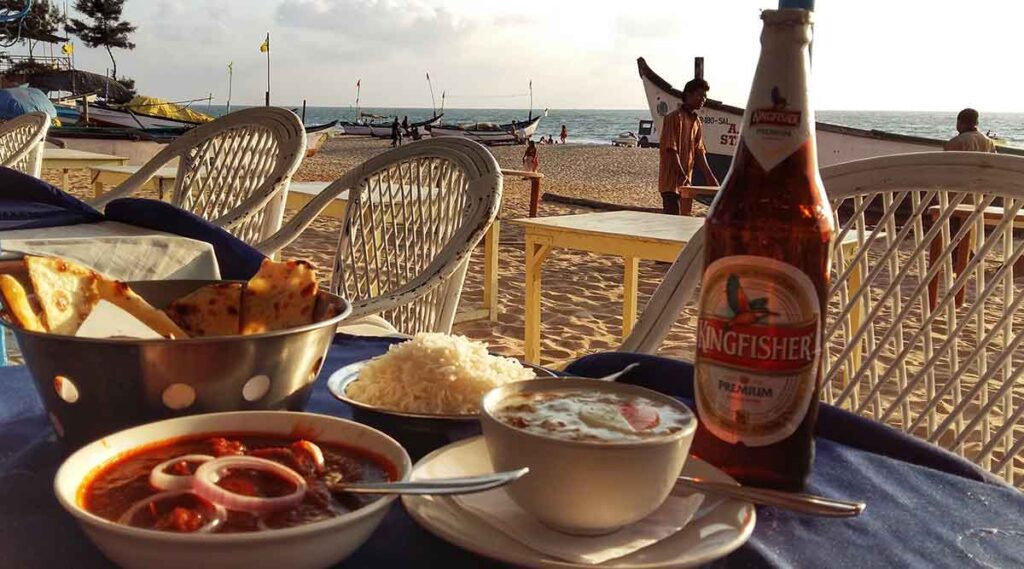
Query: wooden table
x: 65, y: 159
x: 631, y: 235
x: 162, y: 181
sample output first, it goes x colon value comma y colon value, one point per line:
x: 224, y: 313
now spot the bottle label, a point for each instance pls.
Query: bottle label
x: 758, y: 349
x: 778, y: 119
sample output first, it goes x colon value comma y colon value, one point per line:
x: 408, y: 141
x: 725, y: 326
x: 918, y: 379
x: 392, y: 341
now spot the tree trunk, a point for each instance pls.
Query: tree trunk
x: 112, y: 61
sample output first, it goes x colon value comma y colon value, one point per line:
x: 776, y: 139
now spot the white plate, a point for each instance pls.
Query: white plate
x: 720, y: 526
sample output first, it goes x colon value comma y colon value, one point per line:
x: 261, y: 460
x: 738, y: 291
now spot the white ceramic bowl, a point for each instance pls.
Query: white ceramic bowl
x: 318, y: 544
x: 585, y: 487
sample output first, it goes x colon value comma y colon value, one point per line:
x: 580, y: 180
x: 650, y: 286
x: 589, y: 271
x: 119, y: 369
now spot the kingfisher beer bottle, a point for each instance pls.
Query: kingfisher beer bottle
x: 766, y: 274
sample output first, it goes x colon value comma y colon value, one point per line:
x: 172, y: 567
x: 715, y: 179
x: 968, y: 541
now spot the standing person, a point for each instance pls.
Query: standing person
x: 564, y: 135
x: 970, y: 138
x: 681, y: 146
x: 405, y: 123
x: 530, y: 158
x: 396, y: 134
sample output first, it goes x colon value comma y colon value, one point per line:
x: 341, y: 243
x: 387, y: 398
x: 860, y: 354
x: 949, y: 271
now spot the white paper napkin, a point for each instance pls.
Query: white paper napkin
x: 497, y: 509
x: 108, y: 320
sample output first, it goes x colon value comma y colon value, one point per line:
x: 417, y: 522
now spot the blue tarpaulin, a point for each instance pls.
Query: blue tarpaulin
x: 17, y: 101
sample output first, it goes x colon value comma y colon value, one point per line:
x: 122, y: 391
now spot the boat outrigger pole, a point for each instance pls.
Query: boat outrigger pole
x: 531, y: 101
x: 433, y: 106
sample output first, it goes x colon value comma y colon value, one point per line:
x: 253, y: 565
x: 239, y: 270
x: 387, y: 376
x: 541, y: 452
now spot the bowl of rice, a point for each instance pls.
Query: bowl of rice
x: 426, y: 392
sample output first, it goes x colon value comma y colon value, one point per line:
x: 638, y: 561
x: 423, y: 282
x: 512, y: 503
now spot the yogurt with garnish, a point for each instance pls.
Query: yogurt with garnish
x: 580, y: 415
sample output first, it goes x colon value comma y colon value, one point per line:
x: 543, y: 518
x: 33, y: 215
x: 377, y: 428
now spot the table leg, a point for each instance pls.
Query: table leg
x: 491, y: 241
x: 535, y: 254
x: 534, y: 196
x: 629, y: 293
x: 64, y: 179
x: 97, y: 187
x: 686, y: 206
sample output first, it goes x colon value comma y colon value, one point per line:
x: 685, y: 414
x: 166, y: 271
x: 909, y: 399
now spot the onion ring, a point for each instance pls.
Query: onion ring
x: 313, y: 451
x: 219, y: 513
x: 209, y: 473
x: 161, y: 480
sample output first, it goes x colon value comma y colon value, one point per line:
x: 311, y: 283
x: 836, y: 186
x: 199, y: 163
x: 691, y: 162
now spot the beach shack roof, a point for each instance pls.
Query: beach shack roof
x: 79, y: 82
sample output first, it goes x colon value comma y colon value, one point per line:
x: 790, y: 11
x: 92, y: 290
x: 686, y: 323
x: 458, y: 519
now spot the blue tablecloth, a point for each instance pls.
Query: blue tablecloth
x: 926, y: 508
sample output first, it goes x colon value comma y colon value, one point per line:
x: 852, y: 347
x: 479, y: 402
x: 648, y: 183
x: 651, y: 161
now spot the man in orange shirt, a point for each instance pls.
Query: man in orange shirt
x: 682, y: 146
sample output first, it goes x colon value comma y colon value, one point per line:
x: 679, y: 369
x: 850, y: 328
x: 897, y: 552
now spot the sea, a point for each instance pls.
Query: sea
x: 587, y: 126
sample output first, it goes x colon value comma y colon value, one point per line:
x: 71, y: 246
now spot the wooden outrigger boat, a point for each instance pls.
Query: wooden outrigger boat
x: 722, y: 122
x: 490, y: 133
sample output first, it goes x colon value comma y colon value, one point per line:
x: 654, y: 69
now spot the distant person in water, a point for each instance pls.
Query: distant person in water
x: 530, y: 158
x: 682, y: 147
x: 564, y: 135
x: 396, y: 134
x: 970, y: 138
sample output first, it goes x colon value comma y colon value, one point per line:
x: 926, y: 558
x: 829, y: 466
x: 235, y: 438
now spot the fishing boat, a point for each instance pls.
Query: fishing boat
x: 135, y: 144
x: 363, y: 125
x: 491, y: 133
x: 722, y: 122
x: 145, y: 112
x: 384, y: 131
x: 316, y: 135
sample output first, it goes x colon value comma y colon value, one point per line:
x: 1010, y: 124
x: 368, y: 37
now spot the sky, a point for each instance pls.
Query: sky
x: 928, y: 55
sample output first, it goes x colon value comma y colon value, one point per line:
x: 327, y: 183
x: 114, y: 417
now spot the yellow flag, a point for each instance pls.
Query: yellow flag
x: 265, y: 46
x: 68, y: 48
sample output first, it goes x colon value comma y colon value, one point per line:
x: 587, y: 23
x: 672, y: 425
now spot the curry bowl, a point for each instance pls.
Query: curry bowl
x: 419, y: 433
x: 318, y: 543
x: 92, y: 387
x: 580, y: 483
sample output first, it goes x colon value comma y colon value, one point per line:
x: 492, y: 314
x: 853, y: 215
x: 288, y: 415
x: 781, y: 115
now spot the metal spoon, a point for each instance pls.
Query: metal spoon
x: 434, y: 486
x: 803, y: 503
x: 609, y: 377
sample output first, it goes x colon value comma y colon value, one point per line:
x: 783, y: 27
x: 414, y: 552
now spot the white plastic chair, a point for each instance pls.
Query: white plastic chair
x: 21, y: 142
x: 233, y: 171
x: 414, y: 215
x: 917, y: 360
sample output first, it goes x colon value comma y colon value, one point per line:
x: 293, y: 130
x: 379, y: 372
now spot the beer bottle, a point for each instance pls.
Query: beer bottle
x: 766, y: 274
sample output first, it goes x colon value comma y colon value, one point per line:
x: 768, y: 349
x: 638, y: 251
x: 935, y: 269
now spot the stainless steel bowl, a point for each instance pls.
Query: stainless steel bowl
x: 93, y: 387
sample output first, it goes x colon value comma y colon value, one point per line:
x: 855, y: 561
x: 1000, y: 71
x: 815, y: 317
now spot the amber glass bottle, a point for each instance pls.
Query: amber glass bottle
x: 766, y: 278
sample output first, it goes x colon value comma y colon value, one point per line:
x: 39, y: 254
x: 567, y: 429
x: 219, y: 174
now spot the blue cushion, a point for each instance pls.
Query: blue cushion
x: 237, y: 259
x: 30, y: 203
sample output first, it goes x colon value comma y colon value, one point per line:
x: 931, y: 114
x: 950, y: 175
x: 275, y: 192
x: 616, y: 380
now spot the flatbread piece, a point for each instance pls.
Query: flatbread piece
x: 281, y: 295
x: 18, y: 306
x: 121, y: 295
x: 212, y: 310
x: 66, y: 292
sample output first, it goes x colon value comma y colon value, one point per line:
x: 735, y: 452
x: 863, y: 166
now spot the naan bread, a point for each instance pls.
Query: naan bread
x: 121, y: 295
x: 281, y: 295
x: 66, y: 292
x: 18, y: 306
x: 213, y: 310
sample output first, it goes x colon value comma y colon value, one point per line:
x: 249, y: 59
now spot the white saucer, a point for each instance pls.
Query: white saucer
x: 720, y: 526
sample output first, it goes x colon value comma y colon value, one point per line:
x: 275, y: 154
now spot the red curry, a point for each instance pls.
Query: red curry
x: 231, y: 483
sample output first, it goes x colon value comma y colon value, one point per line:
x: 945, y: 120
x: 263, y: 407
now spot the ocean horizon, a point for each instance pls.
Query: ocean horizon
x: 599, y: 126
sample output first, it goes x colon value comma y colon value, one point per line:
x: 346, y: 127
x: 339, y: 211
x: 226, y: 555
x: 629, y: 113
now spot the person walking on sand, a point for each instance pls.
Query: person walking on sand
x: 396, y: 134
x: 564, y: 135
x: 681, y: 147
x: 970, y: 138
x: 530, y: 158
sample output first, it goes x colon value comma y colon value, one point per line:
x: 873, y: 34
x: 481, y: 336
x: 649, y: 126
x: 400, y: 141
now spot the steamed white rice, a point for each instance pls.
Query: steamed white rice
x: 435, y: 373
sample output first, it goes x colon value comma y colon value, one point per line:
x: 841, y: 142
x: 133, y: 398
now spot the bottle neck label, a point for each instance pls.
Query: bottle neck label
x: 758, y: 349
x: 778, y: 119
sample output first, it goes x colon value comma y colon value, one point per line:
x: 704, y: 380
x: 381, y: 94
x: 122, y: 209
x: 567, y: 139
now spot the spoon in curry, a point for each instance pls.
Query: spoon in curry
x: 433, y: 486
